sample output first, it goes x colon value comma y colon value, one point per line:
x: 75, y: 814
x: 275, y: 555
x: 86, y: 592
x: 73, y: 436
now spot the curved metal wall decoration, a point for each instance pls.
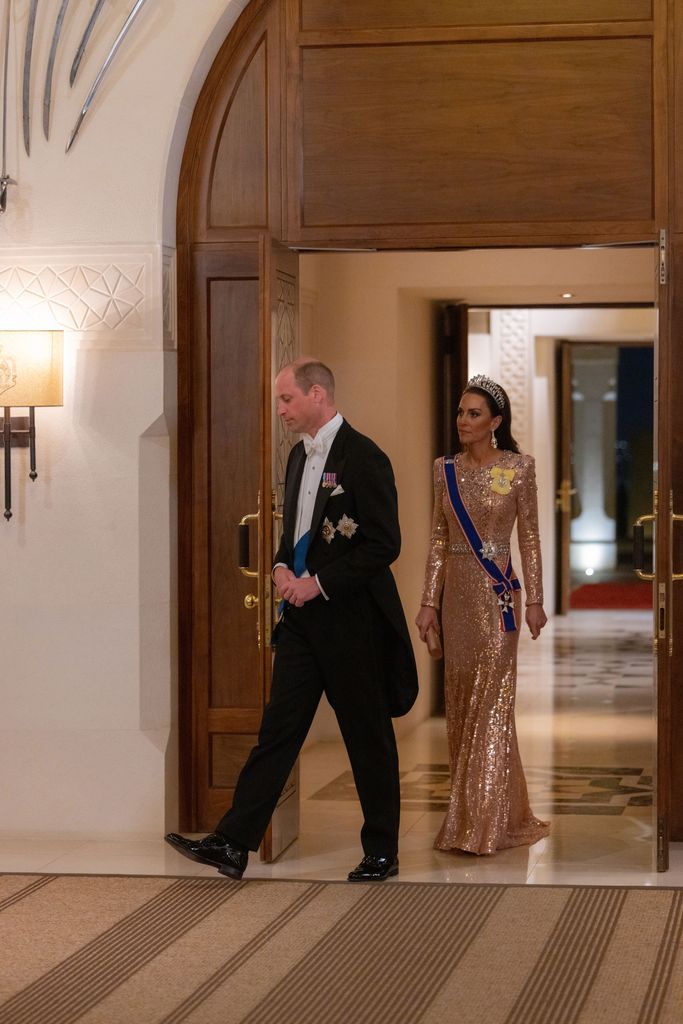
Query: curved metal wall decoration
x: 84, y: 41
x: 47, y: 92
x: 32, y: 24
x: 5, y: 179
x: 26, y: 86
x: 103, y: 70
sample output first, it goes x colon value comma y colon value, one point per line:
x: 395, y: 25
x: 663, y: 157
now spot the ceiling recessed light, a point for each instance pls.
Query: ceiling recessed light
x: 567, y: 295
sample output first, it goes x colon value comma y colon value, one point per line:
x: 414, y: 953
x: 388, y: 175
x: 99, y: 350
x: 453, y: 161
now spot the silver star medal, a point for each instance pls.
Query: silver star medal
x: 346, y: 527
x: 328, y: 531
x: 488, y: 550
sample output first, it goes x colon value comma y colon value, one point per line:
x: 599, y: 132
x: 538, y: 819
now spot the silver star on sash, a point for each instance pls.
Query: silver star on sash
x: 488, y: 550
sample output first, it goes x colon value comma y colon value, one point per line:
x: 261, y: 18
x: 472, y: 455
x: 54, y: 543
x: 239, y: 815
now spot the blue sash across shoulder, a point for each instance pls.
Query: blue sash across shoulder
x: 503, y: 582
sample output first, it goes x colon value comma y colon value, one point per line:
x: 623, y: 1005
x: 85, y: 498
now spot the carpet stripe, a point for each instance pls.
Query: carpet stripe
x: 16, y: 897
x: 669, y: 946
x: 127, y: 942
x: 564, y: 974
x: 184, y: 1009
x: 374, y: 957
x: 72, y: 988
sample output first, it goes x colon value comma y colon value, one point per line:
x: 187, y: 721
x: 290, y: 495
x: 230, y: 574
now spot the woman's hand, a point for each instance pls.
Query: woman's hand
x: 426, y: 617
x: 536, y: 619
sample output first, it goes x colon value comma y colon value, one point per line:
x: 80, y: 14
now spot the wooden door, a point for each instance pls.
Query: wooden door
x: 228, y: 211
x: 668, y: 606
x: 282, y: 345
x: 565, y: 486
x: 219, y: 633
x: 245, y: 327
x: 452, y: 341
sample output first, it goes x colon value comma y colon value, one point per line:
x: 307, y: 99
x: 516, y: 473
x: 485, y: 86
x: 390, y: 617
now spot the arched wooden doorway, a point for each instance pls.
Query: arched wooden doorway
x: 433, y: 124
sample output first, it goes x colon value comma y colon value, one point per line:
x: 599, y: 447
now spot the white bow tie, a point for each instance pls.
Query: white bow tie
x: 313, y: 445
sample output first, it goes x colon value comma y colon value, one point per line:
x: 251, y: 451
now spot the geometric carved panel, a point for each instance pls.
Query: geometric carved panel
x: 285, y: 351
x: 77, y: 297
x: 512, y: 333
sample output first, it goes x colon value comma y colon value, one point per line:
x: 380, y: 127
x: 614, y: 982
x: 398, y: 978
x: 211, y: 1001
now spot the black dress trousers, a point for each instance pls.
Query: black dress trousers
x: 331, y: 648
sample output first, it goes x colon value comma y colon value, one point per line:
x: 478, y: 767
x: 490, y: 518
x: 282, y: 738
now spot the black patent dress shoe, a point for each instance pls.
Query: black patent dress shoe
x: 374, y: 869
x: 214, y: 850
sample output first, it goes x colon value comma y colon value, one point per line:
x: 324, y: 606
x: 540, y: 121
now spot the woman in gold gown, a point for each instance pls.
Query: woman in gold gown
x: 488, y: 807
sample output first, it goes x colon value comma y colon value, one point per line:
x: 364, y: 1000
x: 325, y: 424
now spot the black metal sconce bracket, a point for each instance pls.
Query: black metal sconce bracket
x: 17, y: 432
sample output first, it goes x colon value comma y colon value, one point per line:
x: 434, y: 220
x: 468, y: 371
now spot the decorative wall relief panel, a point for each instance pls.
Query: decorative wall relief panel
x: 512, y: 338
x: 286, y: 350
x: 169, y: 295
x: 109, y: 298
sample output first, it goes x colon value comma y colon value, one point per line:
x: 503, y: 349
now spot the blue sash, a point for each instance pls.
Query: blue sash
x: 504, y: 583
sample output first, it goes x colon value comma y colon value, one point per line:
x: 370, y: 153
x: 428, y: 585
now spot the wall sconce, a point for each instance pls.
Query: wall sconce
x: 30, y: 375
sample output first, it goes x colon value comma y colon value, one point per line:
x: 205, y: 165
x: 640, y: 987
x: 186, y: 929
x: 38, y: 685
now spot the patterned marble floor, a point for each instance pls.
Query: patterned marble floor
x: 586, y: 731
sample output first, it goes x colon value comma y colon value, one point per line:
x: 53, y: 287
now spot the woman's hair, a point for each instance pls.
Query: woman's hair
x: 506, y: 441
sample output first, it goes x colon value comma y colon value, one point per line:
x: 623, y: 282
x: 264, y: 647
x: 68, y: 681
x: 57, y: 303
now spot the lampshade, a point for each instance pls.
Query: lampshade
x: 31, y: 368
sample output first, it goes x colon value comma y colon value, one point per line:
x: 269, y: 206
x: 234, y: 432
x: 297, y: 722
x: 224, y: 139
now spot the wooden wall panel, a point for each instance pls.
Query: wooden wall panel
x: 235, y: 418
x: 503, y: 132
x: 228, y: 754
x: 361, y: 14
x: 239, y: 180
x: 231, y: 176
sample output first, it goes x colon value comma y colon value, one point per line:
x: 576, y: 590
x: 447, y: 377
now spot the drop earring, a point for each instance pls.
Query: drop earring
x: 494, y: 442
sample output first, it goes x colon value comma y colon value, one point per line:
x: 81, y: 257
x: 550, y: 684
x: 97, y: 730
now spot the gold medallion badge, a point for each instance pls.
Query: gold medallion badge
x: 328, y: 531
x: 501, y: 479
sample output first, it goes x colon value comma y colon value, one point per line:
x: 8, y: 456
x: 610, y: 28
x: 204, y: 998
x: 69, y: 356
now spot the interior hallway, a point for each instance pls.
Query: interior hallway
x: 586, y: 729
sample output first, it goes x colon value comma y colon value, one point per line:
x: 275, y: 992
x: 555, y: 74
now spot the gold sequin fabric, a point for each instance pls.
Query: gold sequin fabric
x: 489, y: 806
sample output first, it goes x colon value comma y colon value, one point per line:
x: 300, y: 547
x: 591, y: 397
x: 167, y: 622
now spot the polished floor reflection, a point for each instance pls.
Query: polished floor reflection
x: 586, y: 730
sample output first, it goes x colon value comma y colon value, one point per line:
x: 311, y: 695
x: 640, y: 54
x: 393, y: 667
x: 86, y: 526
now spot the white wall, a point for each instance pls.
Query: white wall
x: 380, y: 345
x: 87, y: 643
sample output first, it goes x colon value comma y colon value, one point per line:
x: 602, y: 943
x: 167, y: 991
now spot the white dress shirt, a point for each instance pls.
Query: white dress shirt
x: 317, y: 449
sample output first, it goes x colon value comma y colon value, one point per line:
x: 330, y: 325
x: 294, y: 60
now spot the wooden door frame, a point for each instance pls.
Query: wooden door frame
x: 283, y: 192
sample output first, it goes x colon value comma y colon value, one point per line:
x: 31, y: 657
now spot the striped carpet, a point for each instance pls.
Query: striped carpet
x: 132, y: 950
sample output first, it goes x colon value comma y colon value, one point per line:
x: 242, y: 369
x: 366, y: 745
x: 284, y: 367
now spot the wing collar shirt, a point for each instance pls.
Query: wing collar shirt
x: 317, y: 449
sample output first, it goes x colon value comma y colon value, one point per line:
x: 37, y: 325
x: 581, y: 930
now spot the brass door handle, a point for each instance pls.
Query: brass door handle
x: 639, y: 546
x: 676, y: 576
x: 243, y: 544
x: 563, y: 501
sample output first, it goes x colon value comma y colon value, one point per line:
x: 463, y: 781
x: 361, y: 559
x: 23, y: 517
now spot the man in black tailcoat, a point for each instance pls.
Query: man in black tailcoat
x: 342, y: 632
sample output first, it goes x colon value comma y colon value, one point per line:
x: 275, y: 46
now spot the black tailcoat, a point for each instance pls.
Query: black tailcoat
x: 355, y: 537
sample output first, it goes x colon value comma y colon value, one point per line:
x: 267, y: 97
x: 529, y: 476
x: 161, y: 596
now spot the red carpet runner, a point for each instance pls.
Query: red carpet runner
x: 634, y: 595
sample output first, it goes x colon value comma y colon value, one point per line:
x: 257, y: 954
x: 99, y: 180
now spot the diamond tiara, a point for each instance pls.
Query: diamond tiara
x: 485, y: 383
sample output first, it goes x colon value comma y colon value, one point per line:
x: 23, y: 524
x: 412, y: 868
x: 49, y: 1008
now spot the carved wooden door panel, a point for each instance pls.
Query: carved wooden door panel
x: 282, y: 270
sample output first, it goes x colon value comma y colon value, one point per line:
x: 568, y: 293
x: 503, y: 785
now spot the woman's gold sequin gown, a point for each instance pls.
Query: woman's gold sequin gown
x: 489, y: 807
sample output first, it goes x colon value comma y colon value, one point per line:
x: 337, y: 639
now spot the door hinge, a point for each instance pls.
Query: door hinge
x: 663, y: 273
x: 662, y: 844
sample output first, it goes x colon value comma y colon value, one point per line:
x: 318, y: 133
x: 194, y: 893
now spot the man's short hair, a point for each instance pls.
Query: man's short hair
x: 308, y: 372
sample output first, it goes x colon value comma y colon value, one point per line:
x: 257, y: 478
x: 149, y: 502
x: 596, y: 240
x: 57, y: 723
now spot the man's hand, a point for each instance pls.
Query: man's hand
x: 536, y: 619
x: 295, y: 591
